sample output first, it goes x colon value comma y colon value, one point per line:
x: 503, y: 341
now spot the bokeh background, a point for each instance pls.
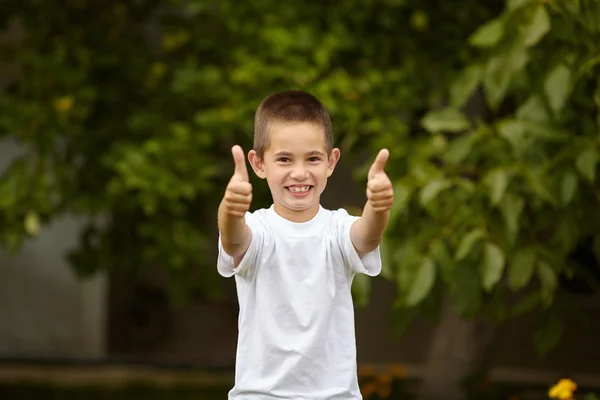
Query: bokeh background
x: 116, y: 123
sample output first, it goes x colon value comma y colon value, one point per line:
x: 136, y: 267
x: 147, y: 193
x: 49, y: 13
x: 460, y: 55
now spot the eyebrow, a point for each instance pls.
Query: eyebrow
x: 288, y: 154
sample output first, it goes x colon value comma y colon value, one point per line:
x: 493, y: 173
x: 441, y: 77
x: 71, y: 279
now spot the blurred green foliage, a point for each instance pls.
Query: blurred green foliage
x: 127, y: 111
x: 501, y: 189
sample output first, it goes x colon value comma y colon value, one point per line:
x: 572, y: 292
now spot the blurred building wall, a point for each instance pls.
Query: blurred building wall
x: 44, y: 310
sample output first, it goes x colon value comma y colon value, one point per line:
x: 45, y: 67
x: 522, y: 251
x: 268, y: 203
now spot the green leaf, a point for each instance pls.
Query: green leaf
x: 431, y: 190
x: 526, y: 305
x: 549, y: 331
x: 410, y: 258
x: 445, y: 120
x: 32, y: 223
x: 402, y: 193
x: 467, y: 242
x: 533, y: 109
x: 12, y: 242
x: 511, y: 208
x: 499, y: 73
x: 488, y: 34
x: 537, y: 28
x: 459, y: 148
x: 361, y: 289
x: 566, y: 232
x: 513, y: 132
x: 545, y: 131
x: 521, y: 268
x: 586, y: 163
x: 423, y: 282
x: 463, y: 87
x: 465, y: 291
x: 443, y: 260
x: 421, y: 170
x: 538, y: 182
x: 512, y: 5
x: 548, y: 282
x: 467, y: 185
x: 492, y: 266
x: 497, y: 182
x: 568, y: 187
x: 556, y: 87
x: 387, y: 258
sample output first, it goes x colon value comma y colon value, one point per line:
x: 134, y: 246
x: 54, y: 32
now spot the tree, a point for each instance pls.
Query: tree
x: 126, y: 111
x: 500, y: 187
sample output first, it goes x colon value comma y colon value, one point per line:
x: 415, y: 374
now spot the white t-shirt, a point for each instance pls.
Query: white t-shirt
x: 296, y: 321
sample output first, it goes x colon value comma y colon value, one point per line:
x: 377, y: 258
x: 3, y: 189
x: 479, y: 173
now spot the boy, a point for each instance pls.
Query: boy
x: 294, y: 262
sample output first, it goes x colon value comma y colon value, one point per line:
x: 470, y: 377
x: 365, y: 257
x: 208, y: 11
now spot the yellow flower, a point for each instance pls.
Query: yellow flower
x: 368, y: 389
x: 398, y: 371
x: 63, y: 104
x: 563, y: 390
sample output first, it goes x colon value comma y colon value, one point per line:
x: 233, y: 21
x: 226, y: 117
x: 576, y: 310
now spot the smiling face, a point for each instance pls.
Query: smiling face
x: 296, y: 166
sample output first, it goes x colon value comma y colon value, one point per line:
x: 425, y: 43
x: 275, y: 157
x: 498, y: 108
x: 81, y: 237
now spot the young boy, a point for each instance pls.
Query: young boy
x: 294, y: 262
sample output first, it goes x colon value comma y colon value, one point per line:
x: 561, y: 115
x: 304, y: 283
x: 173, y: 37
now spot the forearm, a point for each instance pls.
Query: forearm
x: 235, y: 233
x: 367, y: 231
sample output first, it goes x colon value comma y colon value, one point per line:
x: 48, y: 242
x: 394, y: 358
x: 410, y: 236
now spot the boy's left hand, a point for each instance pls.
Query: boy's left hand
x: 380, y: 193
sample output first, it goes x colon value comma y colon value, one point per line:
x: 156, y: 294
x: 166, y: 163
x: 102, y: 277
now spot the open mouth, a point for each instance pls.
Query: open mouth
x: 298, y: 190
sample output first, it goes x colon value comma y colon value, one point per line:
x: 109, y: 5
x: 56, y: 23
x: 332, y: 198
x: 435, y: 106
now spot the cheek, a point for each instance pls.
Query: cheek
x: 275, y: 174
x: 321, y: 173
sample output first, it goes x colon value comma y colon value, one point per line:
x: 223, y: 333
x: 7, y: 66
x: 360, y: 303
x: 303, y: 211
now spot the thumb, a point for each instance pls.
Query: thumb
x: 379, y: 163
x: 240, y: 163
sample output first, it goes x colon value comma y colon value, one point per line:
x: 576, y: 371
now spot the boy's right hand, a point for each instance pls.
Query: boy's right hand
x: 238, y: 194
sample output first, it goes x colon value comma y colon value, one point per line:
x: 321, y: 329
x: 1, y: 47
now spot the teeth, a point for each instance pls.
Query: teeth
x: 297, y: 189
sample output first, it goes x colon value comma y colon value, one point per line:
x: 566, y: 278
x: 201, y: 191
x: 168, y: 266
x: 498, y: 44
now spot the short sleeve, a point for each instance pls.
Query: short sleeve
x: 225, y: 263
x: 370, y: 263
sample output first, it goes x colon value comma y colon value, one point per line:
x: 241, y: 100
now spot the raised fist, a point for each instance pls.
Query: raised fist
x: 238, y: 194
x: 380, y: 193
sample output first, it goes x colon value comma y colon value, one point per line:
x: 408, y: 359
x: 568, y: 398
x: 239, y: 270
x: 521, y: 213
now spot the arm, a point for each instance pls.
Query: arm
x: 367, y: 231
x: 235, y: 233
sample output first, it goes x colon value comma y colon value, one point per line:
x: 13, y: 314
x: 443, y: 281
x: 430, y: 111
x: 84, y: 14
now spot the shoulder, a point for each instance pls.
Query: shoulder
x: 339, y: 219
x: 257, y: 219
x: 261, y: 213
x: 267, y: 219
x: 339, y: 214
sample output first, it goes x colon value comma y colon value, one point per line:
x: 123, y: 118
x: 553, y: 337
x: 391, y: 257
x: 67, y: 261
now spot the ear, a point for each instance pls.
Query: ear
x: 257, y: 164
x: 332, y: 161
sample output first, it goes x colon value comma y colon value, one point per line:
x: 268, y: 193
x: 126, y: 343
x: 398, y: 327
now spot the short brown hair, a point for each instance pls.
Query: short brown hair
x: 285, y: 107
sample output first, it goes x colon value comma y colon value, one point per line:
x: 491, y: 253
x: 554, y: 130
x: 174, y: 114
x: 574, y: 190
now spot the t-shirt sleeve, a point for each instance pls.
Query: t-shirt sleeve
x: 225, y: 263
x: 370, y: 263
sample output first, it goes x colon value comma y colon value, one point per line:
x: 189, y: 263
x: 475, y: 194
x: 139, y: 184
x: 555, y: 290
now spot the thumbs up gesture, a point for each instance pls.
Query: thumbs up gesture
x: 380, y: 193
x: 238, y: 194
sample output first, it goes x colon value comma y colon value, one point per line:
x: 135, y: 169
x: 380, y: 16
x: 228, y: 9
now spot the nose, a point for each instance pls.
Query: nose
x: 298, y: 172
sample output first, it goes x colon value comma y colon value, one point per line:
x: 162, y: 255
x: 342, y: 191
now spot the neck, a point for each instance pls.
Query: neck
x: 297, y: 216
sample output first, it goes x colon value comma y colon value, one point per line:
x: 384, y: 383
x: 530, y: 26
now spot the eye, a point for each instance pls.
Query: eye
x: 314, y: 159
x: 283, y: 159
